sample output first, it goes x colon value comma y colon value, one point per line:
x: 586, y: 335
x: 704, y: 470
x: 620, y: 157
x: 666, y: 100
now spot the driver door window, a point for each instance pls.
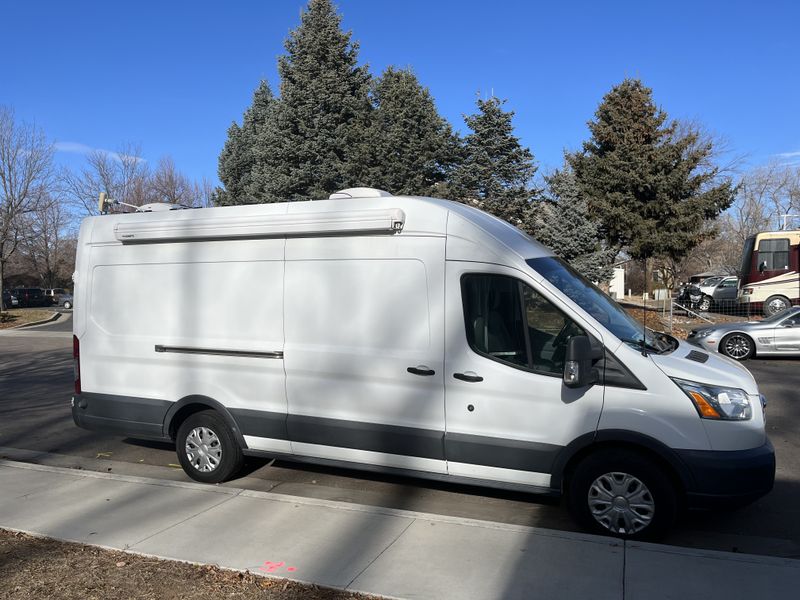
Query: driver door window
x: 510, y: 322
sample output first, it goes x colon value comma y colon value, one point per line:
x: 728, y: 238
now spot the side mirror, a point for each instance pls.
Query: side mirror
x: 578, y: 370
x: 762, y: 266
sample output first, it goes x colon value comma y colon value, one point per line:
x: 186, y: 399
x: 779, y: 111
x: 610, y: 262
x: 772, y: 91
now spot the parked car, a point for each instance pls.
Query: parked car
x: 9, y: 300
x: 775, y: 335
x: 54, y: 295
x: 65, y: 300
x: 718, y: 291
x: 30, y: 297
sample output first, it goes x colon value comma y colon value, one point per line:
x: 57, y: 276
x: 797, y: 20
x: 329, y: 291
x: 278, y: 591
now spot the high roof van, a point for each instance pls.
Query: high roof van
x: 407, y: 335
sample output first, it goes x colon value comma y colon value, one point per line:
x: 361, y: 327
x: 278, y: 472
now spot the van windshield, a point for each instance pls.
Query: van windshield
x: 598, y: 304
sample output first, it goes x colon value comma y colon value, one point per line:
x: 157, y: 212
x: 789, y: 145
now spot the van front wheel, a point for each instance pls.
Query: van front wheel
x: 207, y: 449
x: 614, y: 492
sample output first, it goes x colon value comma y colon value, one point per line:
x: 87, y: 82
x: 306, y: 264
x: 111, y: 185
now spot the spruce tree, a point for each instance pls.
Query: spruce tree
x: 649, y: 183
x: 563, y: 224
x: 321, y: 119
x: 243, y: 152
x: 496, y: 171
x: 410, y: 146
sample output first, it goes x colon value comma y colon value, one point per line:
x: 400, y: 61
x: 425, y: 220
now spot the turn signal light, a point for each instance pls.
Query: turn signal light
x: 704, y: 407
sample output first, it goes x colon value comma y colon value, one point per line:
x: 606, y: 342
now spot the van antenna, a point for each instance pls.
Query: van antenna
x: 644, y: 310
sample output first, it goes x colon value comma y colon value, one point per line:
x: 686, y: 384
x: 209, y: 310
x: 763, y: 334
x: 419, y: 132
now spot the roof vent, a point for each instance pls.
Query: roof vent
x: 359, y: 192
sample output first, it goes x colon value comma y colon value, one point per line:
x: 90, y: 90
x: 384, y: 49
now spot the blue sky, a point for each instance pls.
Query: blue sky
x: 171, y: 76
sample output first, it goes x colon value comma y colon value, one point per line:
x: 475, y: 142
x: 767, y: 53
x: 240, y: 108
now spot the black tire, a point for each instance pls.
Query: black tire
x: 738, y: 346
x: 218, y: 457
x: 775, y: 304
x: 705, y: 304
x: 657, y: 503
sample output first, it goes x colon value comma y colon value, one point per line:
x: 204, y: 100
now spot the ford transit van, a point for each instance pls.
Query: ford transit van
x: 408, y: 335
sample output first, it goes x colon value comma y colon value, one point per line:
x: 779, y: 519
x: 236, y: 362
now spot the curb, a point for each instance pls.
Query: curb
x: 54, y: 317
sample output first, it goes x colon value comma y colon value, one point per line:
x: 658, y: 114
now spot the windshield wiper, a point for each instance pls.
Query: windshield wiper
x: 638, y: 345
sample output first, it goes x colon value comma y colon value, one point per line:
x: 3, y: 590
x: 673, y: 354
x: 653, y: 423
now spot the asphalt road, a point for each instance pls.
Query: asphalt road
x: 36, y: 425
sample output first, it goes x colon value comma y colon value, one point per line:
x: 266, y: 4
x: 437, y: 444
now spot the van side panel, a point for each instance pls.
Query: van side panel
x: 359, y: 314
x: 167, y: 321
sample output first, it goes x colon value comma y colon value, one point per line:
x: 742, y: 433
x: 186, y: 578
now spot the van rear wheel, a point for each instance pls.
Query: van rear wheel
x: 619, y: 493
x: 207, y: 449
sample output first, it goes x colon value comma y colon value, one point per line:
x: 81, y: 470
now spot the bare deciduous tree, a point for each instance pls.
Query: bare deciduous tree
x: 26, y: 159
x: 765, y: 195
x: 123, y: 175
x: 49, y: 248
x: 170, y: 185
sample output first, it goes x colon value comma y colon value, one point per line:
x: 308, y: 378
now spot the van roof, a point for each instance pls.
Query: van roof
x: 472, y: 233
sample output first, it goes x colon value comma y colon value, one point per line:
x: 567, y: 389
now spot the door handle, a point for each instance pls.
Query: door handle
x: 469, y: 376
x: 421, y: 370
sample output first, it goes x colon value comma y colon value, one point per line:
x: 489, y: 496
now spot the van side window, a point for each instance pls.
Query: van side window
x: 510, y: 322
x: 493, y: 314
x: 548, y: 330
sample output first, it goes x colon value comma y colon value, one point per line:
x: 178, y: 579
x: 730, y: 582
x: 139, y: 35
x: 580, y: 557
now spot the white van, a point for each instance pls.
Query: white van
x: 402, y: 334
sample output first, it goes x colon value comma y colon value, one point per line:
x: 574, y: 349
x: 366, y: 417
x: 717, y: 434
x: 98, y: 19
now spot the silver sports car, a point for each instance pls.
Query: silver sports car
x: 775, y: 335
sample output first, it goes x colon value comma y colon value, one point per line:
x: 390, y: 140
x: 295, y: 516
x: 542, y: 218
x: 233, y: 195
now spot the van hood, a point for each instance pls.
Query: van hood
x: 690, y: 363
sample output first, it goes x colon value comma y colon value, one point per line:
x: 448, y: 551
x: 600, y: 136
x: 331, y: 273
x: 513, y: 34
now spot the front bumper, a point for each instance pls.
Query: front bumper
x: 728, y: 479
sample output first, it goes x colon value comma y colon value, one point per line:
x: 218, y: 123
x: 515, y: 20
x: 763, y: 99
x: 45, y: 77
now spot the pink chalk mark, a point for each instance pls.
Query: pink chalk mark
x: 291, y: 569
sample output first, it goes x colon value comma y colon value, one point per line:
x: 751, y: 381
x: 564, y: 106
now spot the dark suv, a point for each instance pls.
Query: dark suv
x: 30, y: 297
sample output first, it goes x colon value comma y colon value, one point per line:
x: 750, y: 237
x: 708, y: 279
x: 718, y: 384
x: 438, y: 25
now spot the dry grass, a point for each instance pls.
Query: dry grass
x: 34, y: 568
x: 16, y: 317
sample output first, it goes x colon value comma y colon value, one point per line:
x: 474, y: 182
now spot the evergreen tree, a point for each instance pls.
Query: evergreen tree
x: 647, y: 182
x: 320, y: 121
x: 563, y: 224
x: 496, y: 170
x: 242, y: 153
x: 410, y: 146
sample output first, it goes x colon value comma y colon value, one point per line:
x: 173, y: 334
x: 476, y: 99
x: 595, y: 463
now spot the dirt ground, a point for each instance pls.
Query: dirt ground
x: 36, y: 568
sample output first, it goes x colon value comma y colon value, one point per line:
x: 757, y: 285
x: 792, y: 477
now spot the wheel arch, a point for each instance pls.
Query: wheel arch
x: 189, y: 405
x: 637, y: 443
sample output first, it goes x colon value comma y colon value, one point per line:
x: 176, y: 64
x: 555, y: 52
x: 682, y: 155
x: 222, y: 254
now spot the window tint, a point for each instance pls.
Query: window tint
x: 774, y: 254
x: 729, y: 283
x: 493, y: 316
x: 510, y: 322
x: 548, y: 330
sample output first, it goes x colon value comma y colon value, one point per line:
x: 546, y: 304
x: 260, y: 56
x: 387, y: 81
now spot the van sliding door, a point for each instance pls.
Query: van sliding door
x: 364, y: 350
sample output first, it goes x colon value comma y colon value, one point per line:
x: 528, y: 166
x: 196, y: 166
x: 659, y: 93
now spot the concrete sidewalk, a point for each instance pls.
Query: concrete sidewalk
x: 387, y: 552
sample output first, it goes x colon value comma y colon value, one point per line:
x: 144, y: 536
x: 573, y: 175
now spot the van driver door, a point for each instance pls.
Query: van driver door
x: 508, y: 413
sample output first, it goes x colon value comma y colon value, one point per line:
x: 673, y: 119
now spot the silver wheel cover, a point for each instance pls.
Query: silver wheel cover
x: 737, y: 346
x: 776, y: 306
x: 203, y: 449
x: 621, y: 503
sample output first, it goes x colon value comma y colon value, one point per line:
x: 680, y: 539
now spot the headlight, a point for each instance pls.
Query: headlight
x: 719, y: 403
x: 703, y: 333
